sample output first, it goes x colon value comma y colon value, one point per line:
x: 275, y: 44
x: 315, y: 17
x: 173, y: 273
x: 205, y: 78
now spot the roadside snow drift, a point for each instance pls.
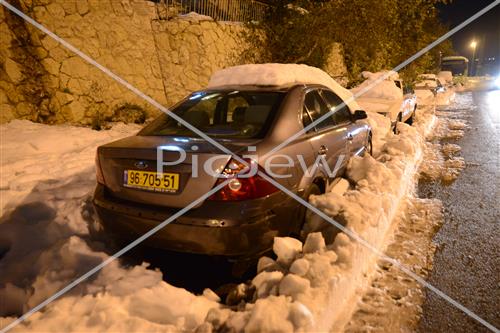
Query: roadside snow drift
x: 314, y: 286
x: 47, y: 175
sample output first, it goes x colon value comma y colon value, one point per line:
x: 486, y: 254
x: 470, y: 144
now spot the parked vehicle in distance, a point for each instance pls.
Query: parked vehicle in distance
x: 458, y: 65
x: 241, y: 219
x: 409, y: 106
x: 391, y: 98
x: 430, y: 82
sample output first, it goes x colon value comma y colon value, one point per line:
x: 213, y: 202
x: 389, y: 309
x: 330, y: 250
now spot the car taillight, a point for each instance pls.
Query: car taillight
x: 98, y: 171
x: 242, y: 188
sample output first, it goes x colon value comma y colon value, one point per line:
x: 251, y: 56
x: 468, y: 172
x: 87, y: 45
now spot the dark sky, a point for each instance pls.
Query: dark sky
x: 485, y: 30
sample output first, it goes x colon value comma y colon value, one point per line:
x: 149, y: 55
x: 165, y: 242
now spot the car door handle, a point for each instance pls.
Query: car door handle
x: 349, y: 137
x: 323, y: 150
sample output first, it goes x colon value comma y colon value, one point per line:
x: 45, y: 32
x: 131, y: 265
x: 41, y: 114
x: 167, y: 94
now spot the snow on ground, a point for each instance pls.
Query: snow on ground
x: 314, y: 286
x: 393, y: 301
x: 441, y: 157
x: 47, y: 175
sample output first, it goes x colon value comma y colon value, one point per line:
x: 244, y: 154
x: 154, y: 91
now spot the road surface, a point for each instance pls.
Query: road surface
x: 467, y: 262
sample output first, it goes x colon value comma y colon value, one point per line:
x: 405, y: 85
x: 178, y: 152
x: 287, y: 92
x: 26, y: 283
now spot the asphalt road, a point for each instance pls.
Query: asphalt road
x: 467, y: 263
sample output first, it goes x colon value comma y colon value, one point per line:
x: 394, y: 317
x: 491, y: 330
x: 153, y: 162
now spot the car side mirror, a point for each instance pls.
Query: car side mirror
x: 359, y: 114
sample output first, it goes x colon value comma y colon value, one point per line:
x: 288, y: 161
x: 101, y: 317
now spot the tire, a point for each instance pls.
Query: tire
x: 304, y: 213
x: 400, y: 117
x: 369, y: 146
x: 412, y: 118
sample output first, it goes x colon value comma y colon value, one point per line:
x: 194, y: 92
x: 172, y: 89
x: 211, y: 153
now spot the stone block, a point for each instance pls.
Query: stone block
x: 7, y: 113
x: 82, y: 7
x: 51, y: 66
x: 64, y: 98
x: 75, y: 67
x: 56, y: 10
x: 13, y: 70
x: 24, y: 109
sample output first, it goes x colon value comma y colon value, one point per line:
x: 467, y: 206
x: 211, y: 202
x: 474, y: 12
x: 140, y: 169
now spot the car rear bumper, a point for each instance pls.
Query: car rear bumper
x: 209, y: 229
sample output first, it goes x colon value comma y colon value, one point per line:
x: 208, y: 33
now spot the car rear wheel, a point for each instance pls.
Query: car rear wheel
x: 399, y: 119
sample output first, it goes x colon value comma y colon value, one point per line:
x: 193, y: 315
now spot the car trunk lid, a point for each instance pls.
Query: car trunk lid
x: 139, y: 153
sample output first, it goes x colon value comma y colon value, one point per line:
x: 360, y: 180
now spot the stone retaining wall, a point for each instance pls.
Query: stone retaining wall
x: 42, y: 81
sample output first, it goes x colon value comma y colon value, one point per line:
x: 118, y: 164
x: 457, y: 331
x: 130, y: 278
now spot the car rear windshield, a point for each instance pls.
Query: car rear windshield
x: 221, y: 114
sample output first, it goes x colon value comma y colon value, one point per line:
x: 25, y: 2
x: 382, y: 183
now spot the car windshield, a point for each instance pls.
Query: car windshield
x: 221, y: 114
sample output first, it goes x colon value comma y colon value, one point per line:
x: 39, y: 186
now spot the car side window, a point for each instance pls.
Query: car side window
x: 317, y: 108
x: 341, y: 115
x: 306, y: 119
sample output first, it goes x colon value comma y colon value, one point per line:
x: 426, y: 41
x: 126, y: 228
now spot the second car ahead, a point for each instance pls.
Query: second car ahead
x: 242, y: 218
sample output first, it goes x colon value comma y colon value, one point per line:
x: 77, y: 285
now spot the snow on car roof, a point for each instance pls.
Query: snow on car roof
x: 385, y: 89
x: 278, y: 75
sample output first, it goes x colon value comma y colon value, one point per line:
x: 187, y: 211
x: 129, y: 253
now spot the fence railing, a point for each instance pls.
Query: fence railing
x: 219, y: 10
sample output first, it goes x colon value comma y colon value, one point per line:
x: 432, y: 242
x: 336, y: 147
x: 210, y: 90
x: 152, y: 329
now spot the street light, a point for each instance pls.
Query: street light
x: 473, y: 44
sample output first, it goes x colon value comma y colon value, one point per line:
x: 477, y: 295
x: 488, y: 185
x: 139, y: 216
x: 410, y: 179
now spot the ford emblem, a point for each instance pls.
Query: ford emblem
x: 141, y: 165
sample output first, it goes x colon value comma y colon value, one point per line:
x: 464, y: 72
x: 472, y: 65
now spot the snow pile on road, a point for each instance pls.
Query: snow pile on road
x: 385, y: 89
x: 445, y: 76
x: 424, y: 96
x: 445, y: 98
x: 47, y: 175
x: 278, y: 75
x: 381, y: 126
x: 314, y: 286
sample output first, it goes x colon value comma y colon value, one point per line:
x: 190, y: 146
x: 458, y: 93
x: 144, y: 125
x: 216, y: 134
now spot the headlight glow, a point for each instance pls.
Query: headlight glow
x: 497, y: 82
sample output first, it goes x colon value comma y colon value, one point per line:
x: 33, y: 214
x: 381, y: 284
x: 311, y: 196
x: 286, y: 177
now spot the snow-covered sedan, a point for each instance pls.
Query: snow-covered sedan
x: 251, y: 118
x: 388, y: 97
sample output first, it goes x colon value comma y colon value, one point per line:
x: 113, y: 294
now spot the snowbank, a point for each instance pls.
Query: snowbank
x: 445, y: 76
x: 278, y: 75
x: 445, y: 98
x: 385, y: 89
x: 424, y: 96
x: 47, y: 175
x: 314, y: 287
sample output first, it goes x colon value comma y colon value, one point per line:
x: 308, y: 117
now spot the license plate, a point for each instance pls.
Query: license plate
x: 151, y: 181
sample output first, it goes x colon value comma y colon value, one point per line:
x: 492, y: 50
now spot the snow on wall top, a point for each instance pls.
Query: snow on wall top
x: 279, y: 75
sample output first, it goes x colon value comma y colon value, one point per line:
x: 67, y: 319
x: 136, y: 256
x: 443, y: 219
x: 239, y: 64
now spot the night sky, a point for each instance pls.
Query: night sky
x: 485, y: 30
